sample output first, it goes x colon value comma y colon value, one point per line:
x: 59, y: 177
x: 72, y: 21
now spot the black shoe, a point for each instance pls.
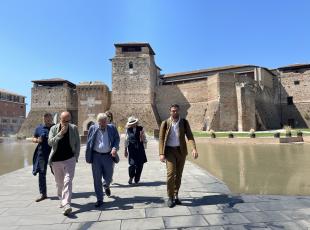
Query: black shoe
x: 99, y: 203
x: 42, y: 197
x: 107, y: 191
x: 177, y: 201
x: 130, y: 181
x: 170, y: 203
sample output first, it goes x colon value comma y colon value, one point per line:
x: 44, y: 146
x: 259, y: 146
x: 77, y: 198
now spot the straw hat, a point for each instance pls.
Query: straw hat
x: 131, y: 121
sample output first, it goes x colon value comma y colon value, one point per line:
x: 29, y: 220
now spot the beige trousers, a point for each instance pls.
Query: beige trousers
x: 64, y: 173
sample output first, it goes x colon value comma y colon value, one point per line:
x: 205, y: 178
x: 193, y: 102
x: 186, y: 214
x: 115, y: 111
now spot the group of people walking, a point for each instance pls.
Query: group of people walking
x: 59, y: 147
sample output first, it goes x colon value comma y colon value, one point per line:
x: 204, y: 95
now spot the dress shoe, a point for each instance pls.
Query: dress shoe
x: 107, y: 191
x: 67, y: 210
x: 99, y: 203
x: 177, y: 201
x: 130, y: 181
x: 170, y: 203
x: 42, y: 197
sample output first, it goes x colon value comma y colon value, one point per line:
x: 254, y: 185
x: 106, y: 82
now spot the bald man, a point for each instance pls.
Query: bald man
x: 65, y: 142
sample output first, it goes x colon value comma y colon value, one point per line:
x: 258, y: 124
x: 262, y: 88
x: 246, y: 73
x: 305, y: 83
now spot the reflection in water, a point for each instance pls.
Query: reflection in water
x: 259, y: 169
x: 15, y: 155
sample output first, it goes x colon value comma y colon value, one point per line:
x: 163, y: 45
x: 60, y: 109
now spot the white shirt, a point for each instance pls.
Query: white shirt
x: 102, y: 142
x: 173, y: 136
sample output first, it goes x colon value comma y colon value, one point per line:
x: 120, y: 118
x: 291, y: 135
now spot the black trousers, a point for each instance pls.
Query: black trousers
x: 135, y: 172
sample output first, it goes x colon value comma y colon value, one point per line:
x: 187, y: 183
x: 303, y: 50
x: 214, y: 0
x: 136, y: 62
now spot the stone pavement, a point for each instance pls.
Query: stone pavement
x: 207, y: 202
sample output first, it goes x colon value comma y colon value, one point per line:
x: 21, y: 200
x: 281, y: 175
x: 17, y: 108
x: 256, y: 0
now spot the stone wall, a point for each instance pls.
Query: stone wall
x: 212, y: 115
x: 246, y: 106
x: 295, y: 84
x: 228, y: 111
x: 57, y: 97
x: 93, y: 98
x: 267, y: 109
x: 192, y: 98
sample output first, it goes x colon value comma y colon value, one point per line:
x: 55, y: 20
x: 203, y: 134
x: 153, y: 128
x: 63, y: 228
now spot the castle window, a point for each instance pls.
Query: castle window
x: 290, y: 101
x: 131, y: 49
x: 296, y: 82
x: 49, y: 103
x: 130, y: 65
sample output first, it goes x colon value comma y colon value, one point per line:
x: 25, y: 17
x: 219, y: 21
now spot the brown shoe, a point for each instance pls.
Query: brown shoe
x: 42, y: 197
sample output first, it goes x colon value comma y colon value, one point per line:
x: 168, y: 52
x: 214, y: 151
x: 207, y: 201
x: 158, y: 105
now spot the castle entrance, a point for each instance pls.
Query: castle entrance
x: 90, y: 124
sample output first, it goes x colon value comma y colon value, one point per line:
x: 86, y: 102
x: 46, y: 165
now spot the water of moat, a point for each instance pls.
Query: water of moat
x: 259, y: 168
x: 253, y: 169
x: 15, y: 155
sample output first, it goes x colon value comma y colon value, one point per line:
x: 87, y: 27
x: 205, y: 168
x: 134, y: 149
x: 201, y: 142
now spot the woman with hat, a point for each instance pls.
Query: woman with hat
x: 135, y: 149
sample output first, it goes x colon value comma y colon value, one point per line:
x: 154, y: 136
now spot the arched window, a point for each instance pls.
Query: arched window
x: 130, y: 65
x: 90, y: 124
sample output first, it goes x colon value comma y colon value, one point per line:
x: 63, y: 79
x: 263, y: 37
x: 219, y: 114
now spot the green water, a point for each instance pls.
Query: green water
x: 15, y: 155
x: 259, y: 169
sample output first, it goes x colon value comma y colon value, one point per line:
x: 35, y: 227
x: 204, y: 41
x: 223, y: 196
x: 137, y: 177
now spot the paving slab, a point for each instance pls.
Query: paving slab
x: 225, y: 219
x: 106, y: 225
x: 185, y: 221
x: 146, y: 223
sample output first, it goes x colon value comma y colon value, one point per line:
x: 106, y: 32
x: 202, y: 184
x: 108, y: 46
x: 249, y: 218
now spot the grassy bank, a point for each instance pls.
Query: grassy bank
x: 306, y: 132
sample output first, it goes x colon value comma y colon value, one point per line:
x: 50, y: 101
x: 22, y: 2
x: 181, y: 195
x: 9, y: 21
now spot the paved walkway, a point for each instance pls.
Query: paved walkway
x: 208, y: 203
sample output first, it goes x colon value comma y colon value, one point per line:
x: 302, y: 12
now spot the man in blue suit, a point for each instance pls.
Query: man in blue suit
x: 101, y: 151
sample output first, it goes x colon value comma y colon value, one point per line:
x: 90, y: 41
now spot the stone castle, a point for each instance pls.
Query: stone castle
x: 229, y: 98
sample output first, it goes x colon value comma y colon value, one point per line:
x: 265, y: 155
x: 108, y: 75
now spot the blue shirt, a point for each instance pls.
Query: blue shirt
x: 42, y: 131
x: 102, y: 142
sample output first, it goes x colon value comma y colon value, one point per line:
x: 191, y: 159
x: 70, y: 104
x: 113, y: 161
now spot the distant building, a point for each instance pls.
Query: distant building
x: 93, y: 98
x: 235, y: 97
x: 12, y: 112
x: 50, y: 95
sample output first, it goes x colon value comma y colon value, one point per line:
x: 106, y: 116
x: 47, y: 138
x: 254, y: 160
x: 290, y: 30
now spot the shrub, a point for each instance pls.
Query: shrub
x: 230, y: 135
x: 212, y: 133
x: 299, y: 133
x: 288, y: 131
x: 276, y: 135
x: 252, y: 133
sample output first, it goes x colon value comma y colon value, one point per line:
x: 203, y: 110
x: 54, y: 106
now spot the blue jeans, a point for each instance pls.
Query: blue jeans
x: 42, y: 179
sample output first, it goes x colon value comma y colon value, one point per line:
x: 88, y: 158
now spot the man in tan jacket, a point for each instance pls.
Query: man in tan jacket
x: 173, y: 151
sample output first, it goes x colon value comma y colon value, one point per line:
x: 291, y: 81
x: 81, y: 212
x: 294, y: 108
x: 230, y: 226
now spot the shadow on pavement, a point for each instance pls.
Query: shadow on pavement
x: 213, y: 200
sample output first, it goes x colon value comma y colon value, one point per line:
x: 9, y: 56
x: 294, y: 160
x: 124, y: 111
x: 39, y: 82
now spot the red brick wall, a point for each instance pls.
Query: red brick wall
x: 12, y: 109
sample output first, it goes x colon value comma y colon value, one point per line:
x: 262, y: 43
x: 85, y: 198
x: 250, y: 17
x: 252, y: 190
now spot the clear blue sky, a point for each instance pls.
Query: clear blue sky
x: 73, y: 39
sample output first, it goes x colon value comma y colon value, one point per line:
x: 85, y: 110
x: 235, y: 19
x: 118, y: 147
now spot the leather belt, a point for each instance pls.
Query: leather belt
x: 107, y: 153
x: 173, y: 147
